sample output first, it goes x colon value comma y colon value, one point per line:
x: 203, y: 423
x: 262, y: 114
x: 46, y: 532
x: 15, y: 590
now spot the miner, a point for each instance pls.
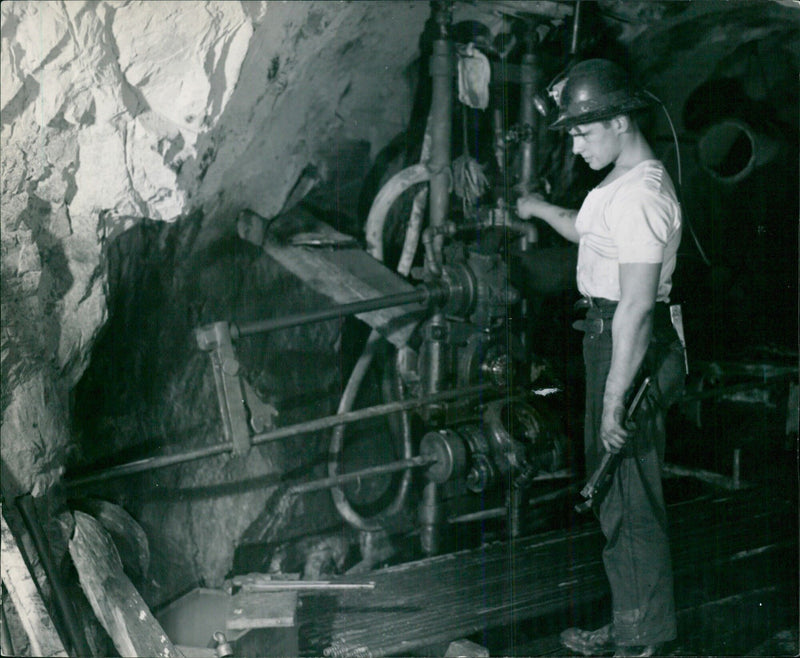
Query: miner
x: 628, y: 230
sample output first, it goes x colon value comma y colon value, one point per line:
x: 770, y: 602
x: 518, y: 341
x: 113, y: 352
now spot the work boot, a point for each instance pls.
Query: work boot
x: 590, y: 643
x: 645, y: 650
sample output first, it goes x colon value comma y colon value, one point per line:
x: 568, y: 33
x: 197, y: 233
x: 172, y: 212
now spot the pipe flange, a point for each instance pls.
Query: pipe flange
x: 481, y: 473
x: 448, y: 449
x: 462, y: 290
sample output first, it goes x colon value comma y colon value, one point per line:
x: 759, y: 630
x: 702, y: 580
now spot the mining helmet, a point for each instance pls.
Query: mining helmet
x: 597, y: 89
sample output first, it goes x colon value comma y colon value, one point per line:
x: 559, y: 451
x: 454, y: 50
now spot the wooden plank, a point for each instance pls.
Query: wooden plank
x: 333, y: 275
x: 344, y: 273
x: 248, y: 610
x: 116, y: 603
x: 21, y: 586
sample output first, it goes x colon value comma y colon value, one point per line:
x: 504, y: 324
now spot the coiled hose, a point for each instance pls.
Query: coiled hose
x: 346, y: 511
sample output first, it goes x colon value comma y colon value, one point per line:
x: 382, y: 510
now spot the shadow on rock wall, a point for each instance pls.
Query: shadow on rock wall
x: 149, y: 390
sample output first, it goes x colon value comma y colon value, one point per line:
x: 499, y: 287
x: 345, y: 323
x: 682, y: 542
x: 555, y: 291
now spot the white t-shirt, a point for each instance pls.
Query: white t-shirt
x: 634, y: 219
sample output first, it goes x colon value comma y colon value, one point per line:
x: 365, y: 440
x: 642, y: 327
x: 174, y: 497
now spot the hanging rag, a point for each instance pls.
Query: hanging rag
x: 474, y: 74
x: 469, y: 181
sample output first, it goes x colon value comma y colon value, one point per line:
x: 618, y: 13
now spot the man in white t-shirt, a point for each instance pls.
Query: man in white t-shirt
x: 628, y: 230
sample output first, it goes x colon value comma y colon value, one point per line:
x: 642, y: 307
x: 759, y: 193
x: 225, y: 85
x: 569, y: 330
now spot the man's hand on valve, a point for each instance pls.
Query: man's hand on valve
x: 530, y: 206
x: 613, y: 432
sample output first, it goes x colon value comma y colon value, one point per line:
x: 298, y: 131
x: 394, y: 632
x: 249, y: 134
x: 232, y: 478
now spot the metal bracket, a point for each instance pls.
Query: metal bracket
x: 262, y: 414
x: 234, y: 395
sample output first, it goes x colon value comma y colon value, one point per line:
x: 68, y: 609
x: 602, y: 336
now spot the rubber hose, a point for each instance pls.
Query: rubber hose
x: 346, y: 511
x: 411, y: 241
x: 376, y: 220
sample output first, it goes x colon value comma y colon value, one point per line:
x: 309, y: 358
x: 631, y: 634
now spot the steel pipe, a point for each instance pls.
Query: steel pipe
x: 530, y: 73
x: 420, y: 295
x: 372, y: 471
x: 731, y: 149
x: 290, y: 431
x: 441, y: 126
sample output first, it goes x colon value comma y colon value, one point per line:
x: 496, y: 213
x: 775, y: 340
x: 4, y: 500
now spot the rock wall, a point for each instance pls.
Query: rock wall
x: 117, y: 112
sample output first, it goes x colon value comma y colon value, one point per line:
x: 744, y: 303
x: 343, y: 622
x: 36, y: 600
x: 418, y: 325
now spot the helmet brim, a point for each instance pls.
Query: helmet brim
x: 585, y: 113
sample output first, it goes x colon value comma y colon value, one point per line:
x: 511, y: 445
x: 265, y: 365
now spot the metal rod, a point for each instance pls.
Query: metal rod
x: 61, y: 598
x: 576, y: 28
x: 291, y: 431
x: 328, y: 422
x: 419, y: 295
x: 482, y: 515
x: 382, y: 469
x: 300, y: 585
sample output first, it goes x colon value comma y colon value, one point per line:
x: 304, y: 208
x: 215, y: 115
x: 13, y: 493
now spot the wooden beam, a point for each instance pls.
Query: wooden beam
x: 21, y: 586
x: 327, y: 262
x: 117, y: 604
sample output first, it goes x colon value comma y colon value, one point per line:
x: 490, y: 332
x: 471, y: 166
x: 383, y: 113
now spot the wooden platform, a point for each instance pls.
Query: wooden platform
x: 419, y: 604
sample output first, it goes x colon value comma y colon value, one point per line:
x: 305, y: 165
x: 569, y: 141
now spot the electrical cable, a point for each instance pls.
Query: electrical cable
x: 680, y: 178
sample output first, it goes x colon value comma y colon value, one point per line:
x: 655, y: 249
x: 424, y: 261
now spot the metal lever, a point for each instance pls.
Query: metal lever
x: 603, y: 473
x: 233, y: 394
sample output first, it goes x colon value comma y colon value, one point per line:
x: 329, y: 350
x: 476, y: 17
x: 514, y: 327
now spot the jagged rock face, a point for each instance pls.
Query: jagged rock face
x: 114, y: 112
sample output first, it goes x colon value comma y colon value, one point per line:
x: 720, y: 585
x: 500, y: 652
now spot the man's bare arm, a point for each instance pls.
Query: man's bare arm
x: 631, y: 330
x: 560, y: 219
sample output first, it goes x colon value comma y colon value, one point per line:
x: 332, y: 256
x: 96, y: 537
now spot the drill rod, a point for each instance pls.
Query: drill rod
x: 252, y: 584
x: 290, y: 431
x: 344, y: 478
x: 420, y: 295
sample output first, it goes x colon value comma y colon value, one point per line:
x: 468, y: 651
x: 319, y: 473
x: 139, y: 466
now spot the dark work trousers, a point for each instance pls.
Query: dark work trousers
x: 632, y: 512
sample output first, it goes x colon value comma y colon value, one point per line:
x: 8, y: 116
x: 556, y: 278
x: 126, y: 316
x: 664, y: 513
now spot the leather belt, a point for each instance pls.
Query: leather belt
x: 597, y: 303
x: 593, y: 324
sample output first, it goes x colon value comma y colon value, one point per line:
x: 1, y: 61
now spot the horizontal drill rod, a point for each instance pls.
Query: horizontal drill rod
x: 372, y: 471
x: 290, y: 431
x: 420, y: 295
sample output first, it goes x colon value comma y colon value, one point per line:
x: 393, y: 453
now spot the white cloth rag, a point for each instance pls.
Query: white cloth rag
x: 474, y: 74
